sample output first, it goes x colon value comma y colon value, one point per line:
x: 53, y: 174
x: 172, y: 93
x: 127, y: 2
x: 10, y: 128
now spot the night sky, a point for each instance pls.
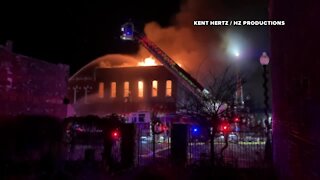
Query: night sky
x: 76, y: 33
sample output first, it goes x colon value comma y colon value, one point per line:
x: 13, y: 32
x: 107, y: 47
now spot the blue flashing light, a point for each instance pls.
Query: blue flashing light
x: 127, y: 31
x: 195, y: 130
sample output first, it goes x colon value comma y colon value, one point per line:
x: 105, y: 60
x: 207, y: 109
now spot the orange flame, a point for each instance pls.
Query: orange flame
x: 148, y: 62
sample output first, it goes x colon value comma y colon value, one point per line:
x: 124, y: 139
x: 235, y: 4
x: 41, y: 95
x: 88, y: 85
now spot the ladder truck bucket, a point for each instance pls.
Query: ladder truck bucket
x: 127, y: 31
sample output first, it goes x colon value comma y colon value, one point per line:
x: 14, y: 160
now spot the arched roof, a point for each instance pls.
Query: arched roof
x: 107, y: 61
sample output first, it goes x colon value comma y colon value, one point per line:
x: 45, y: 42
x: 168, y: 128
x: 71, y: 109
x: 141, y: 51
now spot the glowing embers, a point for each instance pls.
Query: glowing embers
x: 140, y: 89
x: 113, y: 92
x: 101, y: 90
x: 168, y: 88
x: 148, y: 62
x: 154, y: 88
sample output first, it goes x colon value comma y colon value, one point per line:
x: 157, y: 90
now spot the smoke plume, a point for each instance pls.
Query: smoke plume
x: 196, y: 48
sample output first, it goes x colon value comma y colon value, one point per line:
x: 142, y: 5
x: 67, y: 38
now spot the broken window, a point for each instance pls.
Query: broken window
x: 140, y: 89
x: 113, y: 89
x: 154, y: 88
x: 101, y: 90
x: 126, y: 89
x: 168, y: 88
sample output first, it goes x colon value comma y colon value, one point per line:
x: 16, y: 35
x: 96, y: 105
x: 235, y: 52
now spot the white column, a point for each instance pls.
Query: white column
x: 75, y: 94
x: 86, y: 89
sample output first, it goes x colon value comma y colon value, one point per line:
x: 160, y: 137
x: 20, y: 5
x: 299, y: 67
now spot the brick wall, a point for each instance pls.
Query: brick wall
x: 31, y: 86
x: 296, y: 89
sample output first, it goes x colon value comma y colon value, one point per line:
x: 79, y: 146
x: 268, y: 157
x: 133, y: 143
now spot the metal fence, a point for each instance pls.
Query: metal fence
x: 236, y: 149
x: 149, y: 146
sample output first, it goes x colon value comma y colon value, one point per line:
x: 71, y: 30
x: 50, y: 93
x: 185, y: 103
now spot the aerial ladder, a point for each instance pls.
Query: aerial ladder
x: 129, y: 33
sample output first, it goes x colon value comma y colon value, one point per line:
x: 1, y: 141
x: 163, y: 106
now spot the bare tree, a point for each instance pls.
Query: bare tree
x: 218, y: 103
x: 220, y: 99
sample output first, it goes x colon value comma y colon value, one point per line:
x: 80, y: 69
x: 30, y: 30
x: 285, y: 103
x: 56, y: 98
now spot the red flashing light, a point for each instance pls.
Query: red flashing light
x: 236, y: 119
x: 165, y: 128
x: 225, y: 127
x: 115, y: 134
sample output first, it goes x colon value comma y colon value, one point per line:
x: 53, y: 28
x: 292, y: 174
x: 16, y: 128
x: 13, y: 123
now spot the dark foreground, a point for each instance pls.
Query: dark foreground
x: 156, y: 171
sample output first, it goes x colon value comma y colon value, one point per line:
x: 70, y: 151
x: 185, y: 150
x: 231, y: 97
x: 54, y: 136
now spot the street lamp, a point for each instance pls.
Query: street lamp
x: 236, y: 53
x: 264, y: 61
x: 239, y: 90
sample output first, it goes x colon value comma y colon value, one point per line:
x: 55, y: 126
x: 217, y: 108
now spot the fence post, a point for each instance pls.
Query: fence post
x: 212, y: 158
x: 127, y: 145
x: 138, y: 139
x: 179, y: 143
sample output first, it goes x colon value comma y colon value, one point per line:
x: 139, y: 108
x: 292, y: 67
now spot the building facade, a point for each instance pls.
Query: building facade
x: 295, y: 82
x: 124, y: 90
x: 29, y: 86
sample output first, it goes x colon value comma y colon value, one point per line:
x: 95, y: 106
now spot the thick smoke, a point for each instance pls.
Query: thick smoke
x: 196, y: 48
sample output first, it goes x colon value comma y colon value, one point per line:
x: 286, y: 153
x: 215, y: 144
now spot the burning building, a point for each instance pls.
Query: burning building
x: 30, y: 86
x: 130, y: 88
x: 127, y: 86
